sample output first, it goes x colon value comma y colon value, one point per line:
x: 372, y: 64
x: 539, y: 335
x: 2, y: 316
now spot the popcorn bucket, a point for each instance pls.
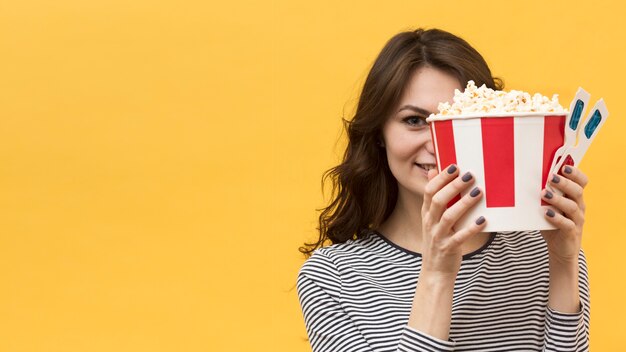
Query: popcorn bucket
x: 510, y: 158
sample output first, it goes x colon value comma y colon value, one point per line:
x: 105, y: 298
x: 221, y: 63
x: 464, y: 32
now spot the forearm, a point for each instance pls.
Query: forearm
x: 564, y: 292
x: 432, y: 306
x: 567, y: 315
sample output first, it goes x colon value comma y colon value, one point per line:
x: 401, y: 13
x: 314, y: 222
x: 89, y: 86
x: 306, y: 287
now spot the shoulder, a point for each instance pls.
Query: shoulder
x: 320, y: 275
x: 327, y: 259
x: 329, y: 262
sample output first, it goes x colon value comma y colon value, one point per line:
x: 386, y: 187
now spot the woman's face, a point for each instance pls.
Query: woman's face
x: 406, y: 133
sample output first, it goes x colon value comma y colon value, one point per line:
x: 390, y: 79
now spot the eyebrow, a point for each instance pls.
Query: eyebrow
x: 416, y: 109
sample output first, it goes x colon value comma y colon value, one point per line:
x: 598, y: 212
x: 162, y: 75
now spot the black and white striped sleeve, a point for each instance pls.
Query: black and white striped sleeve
x: 329, y: 327
x: 570, y: 331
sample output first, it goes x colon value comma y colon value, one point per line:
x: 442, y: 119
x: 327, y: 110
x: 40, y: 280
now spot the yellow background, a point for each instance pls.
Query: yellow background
x: 160, y: 161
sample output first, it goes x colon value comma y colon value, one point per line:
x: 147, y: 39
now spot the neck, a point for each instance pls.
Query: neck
x: 404, y: 225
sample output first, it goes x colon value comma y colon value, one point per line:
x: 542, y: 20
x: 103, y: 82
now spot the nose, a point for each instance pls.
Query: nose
x: 429, y: 145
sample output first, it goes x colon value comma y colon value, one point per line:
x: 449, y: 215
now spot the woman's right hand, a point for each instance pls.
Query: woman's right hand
x: 442, y: 240
x: 441, y: 249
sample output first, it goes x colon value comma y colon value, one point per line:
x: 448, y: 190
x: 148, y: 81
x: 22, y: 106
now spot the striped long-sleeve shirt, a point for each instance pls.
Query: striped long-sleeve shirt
x: 357, y: 296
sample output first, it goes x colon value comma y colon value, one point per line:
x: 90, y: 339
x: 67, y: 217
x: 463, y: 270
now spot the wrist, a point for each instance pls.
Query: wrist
x: 564, y: 292
x: 437, y: 279
x: 568, y: 267
x: 566, y: 257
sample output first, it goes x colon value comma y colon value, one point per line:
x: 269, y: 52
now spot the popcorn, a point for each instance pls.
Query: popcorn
x: 476, y: 101
x: 512, y: 142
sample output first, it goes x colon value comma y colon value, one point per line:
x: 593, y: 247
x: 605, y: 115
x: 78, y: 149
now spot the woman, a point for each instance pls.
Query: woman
x: 400, y: 275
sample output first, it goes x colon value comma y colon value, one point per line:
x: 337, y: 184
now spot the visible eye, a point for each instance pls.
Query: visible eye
x: 415, y: 121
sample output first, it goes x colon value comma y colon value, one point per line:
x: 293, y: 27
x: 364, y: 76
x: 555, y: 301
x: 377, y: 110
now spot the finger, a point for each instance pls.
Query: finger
x: 440, y: 200
x: 568, y: 206
x: 560, y: 221
x: 465, y: 233
x: 574, y: 174
x: 570, y: 189
x: 451, y: 215
x: 436, y: 182
x: 432, y: 173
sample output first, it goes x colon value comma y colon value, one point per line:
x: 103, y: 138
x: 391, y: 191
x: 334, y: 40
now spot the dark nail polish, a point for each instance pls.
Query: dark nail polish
x: 480, y: 220
x: 550, y: 213
x: 466, y: 177
x: 475, y: 192
x: 548, y: 195
x: 556, y: 179
x: 567, y: 170
x: 451, y: 169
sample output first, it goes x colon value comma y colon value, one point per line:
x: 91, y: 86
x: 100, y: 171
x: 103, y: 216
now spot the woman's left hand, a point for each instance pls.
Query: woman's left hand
x: 564, y: 243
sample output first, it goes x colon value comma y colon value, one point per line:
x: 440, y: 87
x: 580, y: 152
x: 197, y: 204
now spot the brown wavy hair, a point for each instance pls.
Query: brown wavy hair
x: 364, y: 191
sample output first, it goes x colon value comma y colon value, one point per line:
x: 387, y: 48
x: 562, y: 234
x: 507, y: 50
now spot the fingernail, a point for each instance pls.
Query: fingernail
x: 466, y: 177
x: 451, y: 169
x: 475, y: 192
x: 567, y: 170
x: 550, y: 213
x: 548, y: 195
x: 555, y: 179
x: 480, y: 220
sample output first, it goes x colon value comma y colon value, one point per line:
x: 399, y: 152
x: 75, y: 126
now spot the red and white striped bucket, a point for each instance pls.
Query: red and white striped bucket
x: 510, y: 158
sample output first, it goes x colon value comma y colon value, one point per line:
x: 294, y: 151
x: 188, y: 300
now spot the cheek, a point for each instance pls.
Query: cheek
x: 404, y: 146
x: 401, y: 154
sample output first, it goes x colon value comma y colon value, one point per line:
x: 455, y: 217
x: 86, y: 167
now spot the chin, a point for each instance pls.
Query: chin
x: 416, y: 189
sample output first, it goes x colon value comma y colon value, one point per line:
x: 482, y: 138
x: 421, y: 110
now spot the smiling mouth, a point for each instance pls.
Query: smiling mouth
x: 426, y: 166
